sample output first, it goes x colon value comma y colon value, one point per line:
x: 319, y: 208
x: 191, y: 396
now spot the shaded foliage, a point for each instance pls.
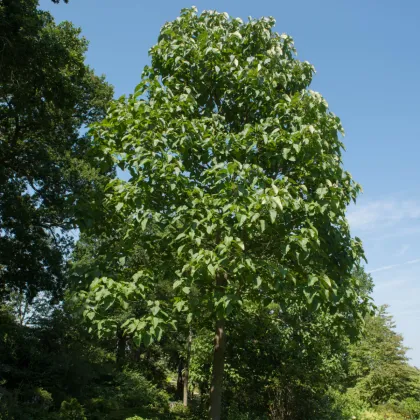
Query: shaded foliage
x: 48, y: 176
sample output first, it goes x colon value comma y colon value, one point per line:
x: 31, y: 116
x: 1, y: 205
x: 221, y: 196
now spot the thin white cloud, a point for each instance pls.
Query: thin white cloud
x: 384, y: 268
x: 402, y: 231
x: 382, y: 213
x: 389, y: 267
x: 402, y: 305
x: 392, y: 283
x: 412, y: 312
x: 402, y: 250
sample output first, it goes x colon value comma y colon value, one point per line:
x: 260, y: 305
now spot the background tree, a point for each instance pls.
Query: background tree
x: 48, y: 175
x: 238, y: 166
x: 378, y: 381
x: 379, y: 369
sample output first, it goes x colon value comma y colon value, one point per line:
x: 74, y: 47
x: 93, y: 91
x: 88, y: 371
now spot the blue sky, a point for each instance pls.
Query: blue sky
x: 366, y: 53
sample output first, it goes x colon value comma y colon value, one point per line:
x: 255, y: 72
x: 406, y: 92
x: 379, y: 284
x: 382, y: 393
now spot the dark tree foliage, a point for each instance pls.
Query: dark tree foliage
x: 56, y: 362
x: 47, y: 173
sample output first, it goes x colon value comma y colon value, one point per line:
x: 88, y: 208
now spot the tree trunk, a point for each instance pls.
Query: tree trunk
x: 185, y: 383
x: 218, y: 369
x: 186, y: 370
x: 179, y: 382
x: 121, y: 345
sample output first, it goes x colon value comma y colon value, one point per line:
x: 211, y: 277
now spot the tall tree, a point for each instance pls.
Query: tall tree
x: 237, y: 185
x: 47, y: 172
x: 379, y: 369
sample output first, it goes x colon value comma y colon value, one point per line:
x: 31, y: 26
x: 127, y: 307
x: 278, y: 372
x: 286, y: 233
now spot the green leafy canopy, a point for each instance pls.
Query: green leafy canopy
x: 236, y: 180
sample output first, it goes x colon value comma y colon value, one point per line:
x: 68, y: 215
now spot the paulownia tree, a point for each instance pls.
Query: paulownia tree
x: 237, y: 184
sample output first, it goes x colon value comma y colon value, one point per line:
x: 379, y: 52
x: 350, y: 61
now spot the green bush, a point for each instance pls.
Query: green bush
x: 410, y: 407
x: 72, y: 410
x: 129, y: 395
x: 349, y: 405
x: 25, y: 403
x: 136, y: 418
x: 179, y: 411
x: 235, y: 414
x: 387, y: 411
x: 43, y: 398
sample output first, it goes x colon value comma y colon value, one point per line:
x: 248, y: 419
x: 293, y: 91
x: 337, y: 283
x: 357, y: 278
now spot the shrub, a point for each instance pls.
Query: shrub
x: 179, y: 410
x: 410, y: 407
x: 349, y: 404
x: 136, y: 418
x: 72, y: 410
x: 129, y: 395
x: 134, y: 390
